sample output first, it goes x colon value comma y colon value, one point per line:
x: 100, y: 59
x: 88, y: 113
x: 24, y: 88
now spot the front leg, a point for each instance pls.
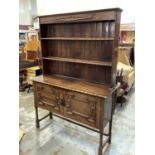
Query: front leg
x: 50, y: 115
x: 100, y: 144
x: 37, y: 119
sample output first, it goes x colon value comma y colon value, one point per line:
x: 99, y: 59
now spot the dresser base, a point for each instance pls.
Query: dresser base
x: 101, y: 131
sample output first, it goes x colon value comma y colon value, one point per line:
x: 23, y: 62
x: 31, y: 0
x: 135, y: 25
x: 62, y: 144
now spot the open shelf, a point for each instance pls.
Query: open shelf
x: 83, y: 61
x: 74, y: 84
x: 64, y: 38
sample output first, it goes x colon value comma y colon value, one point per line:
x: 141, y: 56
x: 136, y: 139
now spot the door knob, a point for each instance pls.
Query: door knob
x: 62, y: 102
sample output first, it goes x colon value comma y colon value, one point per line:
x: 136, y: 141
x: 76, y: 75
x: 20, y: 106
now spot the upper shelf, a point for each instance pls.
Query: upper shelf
x: 83, y: 61
x: 64, y: 38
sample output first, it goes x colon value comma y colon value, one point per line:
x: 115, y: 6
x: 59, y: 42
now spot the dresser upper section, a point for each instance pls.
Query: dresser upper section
x: 85, y: 16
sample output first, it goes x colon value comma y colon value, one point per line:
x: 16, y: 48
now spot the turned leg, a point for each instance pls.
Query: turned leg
x: 37, y: 119
x: 100, y: 144
x: 50, y: 114
x: 110, y: 128
x: 114, y: 101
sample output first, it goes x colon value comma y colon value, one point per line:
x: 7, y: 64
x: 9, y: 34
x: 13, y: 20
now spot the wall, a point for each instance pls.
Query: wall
x: 27, y: 10
x: 61, y: 6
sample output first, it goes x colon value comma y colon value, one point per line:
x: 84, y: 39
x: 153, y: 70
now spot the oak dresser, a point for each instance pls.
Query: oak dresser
x: 79, y: 58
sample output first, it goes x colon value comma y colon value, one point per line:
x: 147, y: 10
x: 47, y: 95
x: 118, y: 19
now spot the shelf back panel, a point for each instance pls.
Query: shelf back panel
x: 93, y: 73
x: 91, y: 50
x: 90, y: 35
x: 82, y: 30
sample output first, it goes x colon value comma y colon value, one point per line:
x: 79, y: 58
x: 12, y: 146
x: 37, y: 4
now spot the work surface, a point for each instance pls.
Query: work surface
x: 99, y: 90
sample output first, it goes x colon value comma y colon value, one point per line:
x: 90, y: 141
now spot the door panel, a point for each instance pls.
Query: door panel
x: 82, y: 108
x: 49, y: 98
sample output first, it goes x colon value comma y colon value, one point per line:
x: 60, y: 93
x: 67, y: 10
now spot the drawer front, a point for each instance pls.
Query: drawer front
x: 48, y: 97
x: 82, y: 108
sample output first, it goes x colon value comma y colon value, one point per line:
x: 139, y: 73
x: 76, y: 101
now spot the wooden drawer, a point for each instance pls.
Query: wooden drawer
x: 82, y: 108
x: 48, y: 97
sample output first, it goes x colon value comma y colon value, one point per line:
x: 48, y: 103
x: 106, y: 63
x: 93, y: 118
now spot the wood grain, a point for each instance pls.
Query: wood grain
x: 79, y: 55
x: 75, y: 85
x: 82, y: 61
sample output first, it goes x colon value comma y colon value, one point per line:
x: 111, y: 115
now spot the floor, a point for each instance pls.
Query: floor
x: 59, y: 137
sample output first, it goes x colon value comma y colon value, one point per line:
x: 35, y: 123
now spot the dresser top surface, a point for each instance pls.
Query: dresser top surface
x: 81, y: 86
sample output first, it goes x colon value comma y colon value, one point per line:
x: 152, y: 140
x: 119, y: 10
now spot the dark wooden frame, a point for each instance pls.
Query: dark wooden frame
x: 79, y: 54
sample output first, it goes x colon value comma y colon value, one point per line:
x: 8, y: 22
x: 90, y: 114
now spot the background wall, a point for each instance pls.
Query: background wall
x: 61, y: 6
x: 27, y: 10
x: 31, y: 8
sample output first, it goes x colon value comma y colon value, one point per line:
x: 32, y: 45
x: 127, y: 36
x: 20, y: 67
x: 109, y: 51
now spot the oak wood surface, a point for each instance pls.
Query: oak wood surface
x: 79, y: 60
x: 84, y: 61
x: 77, y: 85
x: 75, y: 105
x: 95, y: 15
x: 61, y: 38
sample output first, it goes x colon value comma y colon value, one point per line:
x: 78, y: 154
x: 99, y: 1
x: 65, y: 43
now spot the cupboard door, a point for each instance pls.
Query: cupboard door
x: 82, y: 108
x: 48, y: 97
